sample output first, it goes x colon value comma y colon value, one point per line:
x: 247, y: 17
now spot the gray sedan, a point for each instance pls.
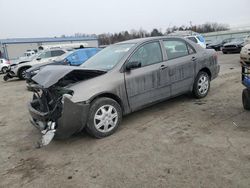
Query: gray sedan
x: 119, y: 80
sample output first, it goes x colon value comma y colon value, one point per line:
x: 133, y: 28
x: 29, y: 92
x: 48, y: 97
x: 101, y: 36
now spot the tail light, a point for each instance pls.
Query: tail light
x: 8, y: 62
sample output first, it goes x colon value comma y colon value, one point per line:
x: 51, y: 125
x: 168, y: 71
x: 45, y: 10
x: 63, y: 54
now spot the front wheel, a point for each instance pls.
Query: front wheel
x: 201, y: 85
x: 4, y: 69
x: 22, y: 73
x: 246, y: 99
x: 105, y: 115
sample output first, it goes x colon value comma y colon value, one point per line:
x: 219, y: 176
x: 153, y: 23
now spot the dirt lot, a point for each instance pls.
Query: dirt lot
x: 179, y: 143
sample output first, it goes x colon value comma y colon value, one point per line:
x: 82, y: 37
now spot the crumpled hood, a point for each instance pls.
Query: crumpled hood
x: 51, y: 74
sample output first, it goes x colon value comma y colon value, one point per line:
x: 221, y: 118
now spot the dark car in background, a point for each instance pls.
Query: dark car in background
x: 234, y: 46
x: 119, y: 80
x: 217, y: 45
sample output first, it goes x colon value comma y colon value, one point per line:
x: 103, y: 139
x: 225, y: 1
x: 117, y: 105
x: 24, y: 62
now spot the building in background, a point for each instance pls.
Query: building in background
x: 14, y: 48
x: 221, y: 35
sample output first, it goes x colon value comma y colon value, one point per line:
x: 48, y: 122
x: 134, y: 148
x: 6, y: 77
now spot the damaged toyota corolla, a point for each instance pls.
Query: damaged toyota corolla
x: 120, y: 79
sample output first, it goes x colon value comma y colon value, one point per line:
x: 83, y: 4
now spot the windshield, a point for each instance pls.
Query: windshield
x: 107, y: 58
x: 238, y: 40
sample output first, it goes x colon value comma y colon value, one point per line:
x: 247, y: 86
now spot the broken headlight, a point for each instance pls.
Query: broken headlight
x: 68, y: 96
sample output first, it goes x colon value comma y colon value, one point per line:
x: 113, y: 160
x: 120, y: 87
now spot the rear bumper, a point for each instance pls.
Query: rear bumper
x: 73, y: 118
x: 216, y: 72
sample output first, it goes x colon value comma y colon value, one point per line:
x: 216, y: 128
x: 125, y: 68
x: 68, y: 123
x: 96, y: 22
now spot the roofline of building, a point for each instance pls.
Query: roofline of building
x: 42, y: 40
x: 228, y: 32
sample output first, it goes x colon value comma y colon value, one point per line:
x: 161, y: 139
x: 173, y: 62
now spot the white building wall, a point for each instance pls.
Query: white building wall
x: 16, y: 50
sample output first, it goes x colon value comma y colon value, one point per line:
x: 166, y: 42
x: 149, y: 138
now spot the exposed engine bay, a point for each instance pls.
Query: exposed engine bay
x: 51, y: 101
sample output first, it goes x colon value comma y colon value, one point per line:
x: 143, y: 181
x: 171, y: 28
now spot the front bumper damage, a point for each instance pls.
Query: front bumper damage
x: 62, y: 119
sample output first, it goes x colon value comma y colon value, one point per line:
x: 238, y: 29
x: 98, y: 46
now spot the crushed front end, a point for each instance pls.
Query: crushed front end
x: 54, y: 114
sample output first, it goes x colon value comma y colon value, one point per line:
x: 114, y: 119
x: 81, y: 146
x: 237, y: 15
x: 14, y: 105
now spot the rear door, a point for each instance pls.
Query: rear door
x: 180, y: 65
x: 142, y: 83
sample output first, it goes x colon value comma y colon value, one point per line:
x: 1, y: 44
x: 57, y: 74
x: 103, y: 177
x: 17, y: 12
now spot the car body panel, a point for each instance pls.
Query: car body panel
x: 245, y: 54
x: 136, y: 88
x: 39, y: 60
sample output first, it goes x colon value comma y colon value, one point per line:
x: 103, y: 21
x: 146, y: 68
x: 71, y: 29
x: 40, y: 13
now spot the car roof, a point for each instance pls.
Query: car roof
x: 142, y: 40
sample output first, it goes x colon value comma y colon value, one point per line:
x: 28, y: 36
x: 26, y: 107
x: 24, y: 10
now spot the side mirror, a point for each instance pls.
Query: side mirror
x: 132, y: 65
x: 38, y: 59
x: 66, y: 62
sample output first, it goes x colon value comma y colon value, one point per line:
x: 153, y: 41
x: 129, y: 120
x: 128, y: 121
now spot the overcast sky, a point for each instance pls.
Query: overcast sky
x: 49, y: 18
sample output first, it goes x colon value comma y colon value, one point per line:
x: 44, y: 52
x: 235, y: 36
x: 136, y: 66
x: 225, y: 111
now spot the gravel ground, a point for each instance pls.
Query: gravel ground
x: 182, y: 142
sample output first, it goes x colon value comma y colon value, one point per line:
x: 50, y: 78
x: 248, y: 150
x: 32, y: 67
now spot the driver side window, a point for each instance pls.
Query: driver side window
x: 148, y: 54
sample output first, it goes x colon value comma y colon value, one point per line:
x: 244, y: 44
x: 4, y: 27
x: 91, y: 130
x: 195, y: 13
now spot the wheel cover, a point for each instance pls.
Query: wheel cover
x: 4, y: 69
x: 203, y: 84
x: 23, y: 73
x: 106, y: 118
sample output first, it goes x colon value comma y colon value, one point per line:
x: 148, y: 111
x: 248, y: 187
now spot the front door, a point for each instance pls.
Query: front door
x: 142, y: 83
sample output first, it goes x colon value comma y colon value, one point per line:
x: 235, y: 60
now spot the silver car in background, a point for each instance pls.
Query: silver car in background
x: 119, y: 80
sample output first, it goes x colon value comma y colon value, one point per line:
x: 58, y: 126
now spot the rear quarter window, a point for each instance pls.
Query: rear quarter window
x: 193, y: 39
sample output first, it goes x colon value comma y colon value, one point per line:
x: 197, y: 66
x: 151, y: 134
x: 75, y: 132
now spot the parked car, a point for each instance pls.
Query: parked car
x: 27, y: 56
x: 4, y: 65
x: 46, y: 56
x: 73, y: 58
x: 217, y: 45
x: 120, y: 79
x: 245, y: 54
x: 197, y: 39
x: 234, y: 46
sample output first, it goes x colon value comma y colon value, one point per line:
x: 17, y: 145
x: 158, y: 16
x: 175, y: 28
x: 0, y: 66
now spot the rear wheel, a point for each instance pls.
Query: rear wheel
x: 22, y: 73
x: 246, y: 99
x: 201, y: 85
x: 105, y: 115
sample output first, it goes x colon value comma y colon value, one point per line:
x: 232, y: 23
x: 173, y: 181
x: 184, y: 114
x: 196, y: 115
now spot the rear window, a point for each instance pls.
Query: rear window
x: 175, y: 48
x: 56, y: 53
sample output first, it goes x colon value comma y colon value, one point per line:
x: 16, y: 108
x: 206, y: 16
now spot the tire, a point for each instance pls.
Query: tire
x: 224, y: 52
x: 4, y: 69
x: 21, y: 73
x: 201, y: 85
x: 5, y: 78
x: 99, y: 123
x: 246, y: 99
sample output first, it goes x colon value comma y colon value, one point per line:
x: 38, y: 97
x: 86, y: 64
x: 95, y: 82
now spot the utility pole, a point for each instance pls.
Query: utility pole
x: 191, y: 27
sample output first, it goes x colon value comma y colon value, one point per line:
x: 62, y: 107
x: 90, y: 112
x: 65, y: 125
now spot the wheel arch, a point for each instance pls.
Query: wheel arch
x: 26, y: 66
x: 21, y: 68
x: 206, y: 70
x: 109, y: 95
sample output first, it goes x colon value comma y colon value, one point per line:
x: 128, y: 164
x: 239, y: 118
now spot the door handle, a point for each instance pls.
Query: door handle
x: 163, y: 67
x: 194, y: 59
